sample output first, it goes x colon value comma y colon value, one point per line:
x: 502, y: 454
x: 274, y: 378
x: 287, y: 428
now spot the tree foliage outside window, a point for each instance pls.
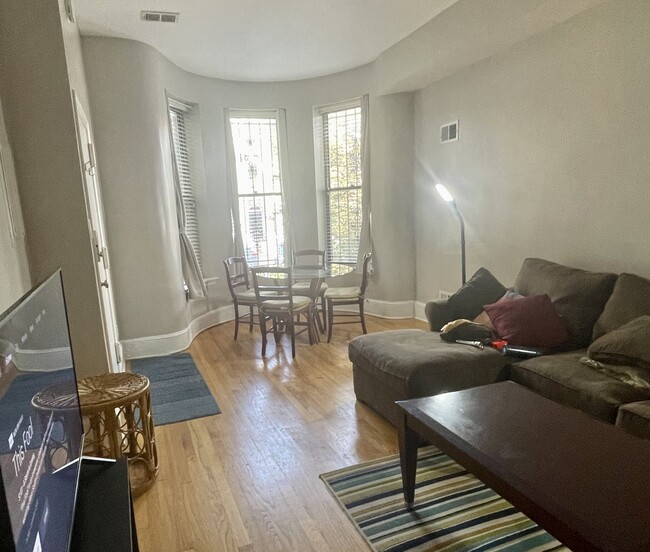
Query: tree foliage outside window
x: 342, y: 157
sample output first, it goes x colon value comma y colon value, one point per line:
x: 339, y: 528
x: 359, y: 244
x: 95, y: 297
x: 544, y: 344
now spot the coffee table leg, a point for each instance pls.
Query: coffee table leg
x: 408, y: 454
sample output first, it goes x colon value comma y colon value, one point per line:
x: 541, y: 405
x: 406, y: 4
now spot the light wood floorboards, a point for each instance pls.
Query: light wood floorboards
x: 247, y: 479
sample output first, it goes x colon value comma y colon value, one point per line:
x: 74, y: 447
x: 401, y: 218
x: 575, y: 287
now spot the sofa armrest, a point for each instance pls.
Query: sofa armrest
x: 438, y: 314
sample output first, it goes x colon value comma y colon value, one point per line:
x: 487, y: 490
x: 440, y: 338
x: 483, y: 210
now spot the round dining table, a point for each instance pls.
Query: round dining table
x: 316, y: 276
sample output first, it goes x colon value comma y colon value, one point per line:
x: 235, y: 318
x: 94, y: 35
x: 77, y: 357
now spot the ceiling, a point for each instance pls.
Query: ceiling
x: 263, y: 40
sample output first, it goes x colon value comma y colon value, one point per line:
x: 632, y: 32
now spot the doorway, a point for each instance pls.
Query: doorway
x: 96, y: 227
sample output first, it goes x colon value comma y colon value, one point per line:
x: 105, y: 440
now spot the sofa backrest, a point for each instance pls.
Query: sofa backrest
x: 629, y: 300
x: 579, y: 296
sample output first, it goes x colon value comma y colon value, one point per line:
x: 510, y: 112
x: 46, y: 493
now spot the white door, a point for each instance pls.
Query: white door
x: 95, y: 211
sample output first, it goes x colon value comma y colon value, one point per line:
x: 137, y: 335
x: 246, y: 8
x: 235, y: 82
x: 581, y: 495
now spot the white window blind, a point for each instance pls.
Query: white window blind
x: 341, y: 145
x: 179, y: 115
x: 259, y: 187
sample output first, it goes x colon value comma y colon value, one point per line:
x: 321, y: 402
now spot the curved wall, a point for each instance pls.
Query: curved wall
x: 127, y: 82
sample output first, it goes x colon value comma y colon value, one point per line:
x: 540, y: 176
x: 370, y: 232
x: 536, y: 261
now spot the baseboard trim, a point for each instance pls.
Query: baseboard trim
x: 418, y: 311
x: 389, y: 309
x: 158, y: 345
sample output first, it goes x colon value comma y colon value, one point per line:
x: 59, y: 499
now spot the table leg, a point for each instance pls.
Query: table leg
x: 408, y: 455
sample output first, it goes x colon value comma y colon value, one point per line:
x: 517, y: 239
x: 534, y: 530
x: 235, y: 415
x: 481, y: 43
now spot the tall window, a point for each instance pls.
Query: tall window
x: 179, y: 116
x: 259, y: 187
x: 341, y: 147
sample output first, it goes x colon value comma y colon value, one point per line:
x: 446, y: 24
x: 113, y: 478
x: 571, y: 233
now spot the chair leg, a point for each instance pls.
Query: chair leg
x: 318, y: 325
x: 324, y: 312
x: 293, y: 337
x: 330, y: 319
x: 311, y: 324
x: 251, y: 318
x: 263, y: 331
x: 236, y: 319
x: 276, y: 332
x: 363, y: 317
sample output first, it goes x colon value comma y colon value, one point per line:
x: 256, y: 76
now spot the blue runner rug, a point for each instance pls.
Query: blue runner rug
x: 178, y: 391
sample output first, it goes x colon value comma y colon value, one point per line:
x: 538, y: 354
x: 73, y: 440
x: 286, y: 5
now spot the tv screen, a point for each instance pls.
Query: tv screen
x: 41, y: 430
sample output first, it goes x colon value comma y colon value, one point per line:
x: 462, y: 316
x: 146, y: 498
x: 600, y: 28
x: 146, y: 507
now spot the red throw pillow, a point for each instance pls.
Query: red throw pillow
x: 529, y: 322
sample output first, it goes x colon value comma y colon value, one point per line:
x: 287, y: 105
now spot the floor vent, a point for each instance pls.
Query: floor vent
x: 449, y: 132
x: 159, y: 17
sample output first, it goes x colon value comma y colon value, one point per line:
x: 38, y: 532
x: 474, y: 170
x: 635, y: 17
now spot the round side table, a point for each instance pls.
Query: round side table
x: 118, y: 408
x: 117, y: 421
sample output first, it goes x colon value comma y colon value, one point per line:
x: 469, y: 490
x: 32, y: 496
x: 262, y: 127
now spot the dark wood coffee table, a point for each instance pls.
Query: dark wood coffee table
x: 585, y: 481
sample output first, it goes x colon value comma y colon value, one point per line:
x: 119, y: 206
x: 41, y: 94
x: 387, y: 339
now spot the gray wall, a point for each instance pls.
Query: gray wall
x: 553, y: 153
x: 40, y: 64
x: 14, y: 272
x: 127, y: 82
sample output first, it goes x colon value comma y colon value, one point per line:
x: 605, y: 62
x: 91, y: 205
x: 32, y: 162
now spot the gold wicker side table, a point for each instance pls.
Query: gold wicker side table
x: 117, y: 421
x: 118, y: 407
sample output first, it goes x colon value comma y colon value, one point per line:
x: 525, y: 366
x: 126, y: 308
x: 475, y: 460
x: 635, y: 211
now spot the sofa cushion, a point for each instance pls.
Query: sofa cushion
x: 635, y: 418
x: 481, y: 289
x: 629, y: 300
x: 628, y: 345
x: 564, y: 379
x: 529, y: 321
x: 579, y: 296
x: 417, y: 363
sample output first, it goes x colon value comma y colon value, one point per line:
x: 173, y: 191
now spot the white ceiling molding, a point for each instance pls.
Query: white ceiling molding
x: 415, y: 42
x: 263, y: 40
x: 466, y: 33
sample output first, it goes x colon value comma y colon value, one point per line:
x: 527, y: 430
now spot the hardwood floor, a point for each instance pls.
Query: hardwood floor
x: 247, y: 479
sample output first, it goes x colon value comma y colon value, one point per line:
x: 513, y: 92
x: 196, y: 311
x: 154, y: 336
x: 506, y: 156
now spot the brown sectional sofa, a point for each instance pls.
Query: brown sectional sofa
x: 401, y: 364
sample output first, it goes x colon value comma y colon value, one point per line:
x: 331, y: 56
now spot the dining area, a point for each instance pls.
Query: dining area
x: 295, y: 298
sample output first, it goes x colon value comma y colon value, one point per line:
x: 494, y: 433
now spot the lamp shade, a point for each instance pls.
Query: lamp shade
x: 444, y: 193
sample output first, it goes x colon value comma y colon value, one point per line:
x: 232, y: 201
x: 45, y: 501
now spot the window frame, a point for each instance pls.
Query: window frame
x: 322, y: 177
x: 271, y: 114
x: 187, y: 176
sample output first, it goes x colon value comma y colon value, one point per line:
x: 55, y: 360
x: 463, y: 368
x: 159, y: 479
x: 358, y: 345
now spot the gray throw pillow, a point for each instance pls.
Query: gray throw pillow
x: 630, y: 299
x: 628, y: 345
x: 578, y: 296
x: 481, y: 289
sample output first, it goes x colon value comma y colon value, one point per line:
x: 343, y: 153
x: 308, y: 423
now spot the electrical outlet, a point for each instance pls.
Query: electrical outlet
x: 442, y: 294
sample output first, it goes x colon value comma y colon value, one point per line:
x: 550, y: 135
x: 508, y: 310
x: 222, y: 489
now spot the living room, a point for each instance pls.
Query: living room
x: 550, y: 99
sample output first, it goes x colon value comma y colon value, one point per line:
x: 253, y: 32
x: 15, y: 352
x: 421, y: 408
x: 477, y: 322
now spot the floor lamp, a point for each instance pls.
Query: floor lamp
x: 444, y: 193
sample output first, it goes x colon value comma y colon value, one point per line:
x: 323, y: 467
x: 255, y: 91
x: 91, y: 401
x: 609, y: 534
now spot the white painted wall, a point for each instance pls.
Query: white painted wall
x: 40, y: 63
x: 14, y: 272
x: 553, y: 153
x: 127, y: 82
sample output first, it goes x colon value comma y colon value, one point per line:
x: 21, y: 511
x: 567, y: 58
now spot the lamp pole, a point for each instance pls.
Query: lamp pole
x: 462, y: 241
x: 446, y: 195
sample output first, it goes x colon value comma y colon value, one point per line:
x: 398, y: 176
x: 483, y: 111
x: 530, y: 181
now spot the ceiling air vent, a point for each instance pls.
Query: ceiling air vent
x: 159, y: 17
x: 449, y: 132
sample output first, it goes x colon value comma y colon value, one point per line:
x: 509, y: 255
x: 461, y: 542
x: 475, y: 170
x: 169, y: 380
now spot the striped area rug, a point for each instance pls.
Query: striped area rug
x: 453, y: 510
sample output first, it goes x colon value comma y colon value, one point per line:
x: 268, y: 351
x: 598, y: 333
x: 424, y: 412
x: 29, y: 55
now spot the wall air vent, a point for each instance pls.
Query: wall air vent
x: 449, y: 132
x: 159, y: 17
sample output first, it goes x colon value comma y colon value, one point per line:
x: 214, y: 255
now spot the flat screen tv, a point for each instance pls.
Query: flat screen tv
x: 41, y: 439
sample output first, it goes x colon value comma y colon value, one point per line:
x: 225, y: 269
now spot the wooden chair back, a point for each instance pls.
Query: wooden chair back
x: 236, y: 274
x: 272, y: 281
x: 309, y: 258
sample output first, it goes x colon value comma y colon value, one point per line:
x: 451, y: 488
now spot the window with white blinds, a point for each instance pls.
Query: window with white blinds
x: 179, y: 116
x: 341, y: 147
x: 256, y: 146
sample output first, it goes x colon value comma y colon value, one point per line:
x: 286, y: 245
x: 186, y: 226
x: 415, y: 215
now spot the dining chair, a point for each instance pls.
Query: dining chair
x: 311, y: 258
x: 240, y: 290
x: 284, y: 309
x: 340, y: 296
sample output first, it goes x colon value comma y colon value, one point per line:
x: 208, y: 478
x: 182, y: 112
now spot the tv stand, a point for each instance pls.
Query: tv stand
x: 104, y: 519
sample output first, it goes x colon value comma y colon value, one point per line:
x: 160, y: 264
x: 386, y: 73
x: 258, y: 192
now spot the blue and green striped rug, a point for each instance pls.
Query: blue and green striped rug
x: 453, y: 510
